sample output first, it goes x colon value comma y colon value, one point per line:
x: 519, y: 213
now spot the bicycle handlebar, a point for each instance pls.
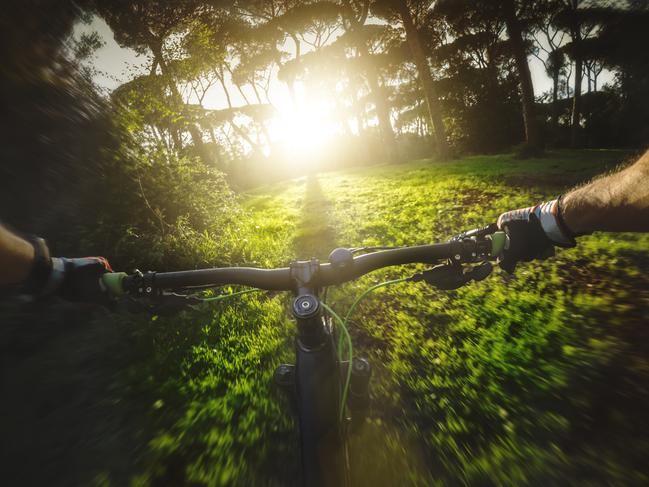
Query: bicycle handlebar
x: 468, y: 248
x: 364, y: 264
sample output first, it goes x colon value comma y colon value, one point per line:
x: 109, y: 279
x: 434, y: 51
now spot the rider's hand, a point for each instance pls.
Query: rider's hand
x: 77, y: 279
x: 72, y: 279
x: 533, y: 233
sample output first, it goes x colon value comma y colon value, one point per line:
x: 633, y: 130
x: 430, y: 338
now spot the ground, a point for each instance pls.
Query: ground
x: 534, y: 379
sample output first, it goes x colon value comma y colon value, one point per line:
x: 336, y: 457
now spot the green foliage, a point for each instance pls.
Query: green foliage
x: 209, y: 374
x: 535, y: 379
x: 153, y: 208
x: 87, y: 44
x: 525, y: 380
x: 172, y: 213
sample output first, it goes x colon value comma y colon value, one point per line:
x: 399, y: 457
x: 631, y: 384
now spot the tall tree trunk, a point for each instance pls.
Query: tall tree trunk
x: 555, y: 100
x: 261, y: 123
x: 176, y: 138
x: 298, y: 46
x: 219, y: 159
x: 242, y: 133
x: 383, y: 114
x: 255, y: 91
x: 425, y: 77
x: 576, y: 103
x: 514, y: 31
x: 290, y: 83
x: 377, y: 95
x: 359, y: 112
x: 243, y: 95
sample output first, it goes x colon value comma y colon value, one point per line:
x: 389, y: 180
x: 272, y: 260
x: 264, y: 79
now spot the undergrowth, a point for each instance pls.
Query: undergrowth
x: 533, y: 379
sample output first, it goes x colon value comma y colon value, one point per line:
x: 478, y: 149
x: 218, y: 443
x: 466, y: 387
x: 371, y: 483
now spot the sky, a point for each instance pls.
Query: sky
x: 117, y: 65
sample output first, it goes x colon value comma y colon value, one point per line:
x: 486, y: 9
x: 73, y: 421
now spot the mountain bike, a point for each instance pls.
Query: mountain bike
x: 330, y: 391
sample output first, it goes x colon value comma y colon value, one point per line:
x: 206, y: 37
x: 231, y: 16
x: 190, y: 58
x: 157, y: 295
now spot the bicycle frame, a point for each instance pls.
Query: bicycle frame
x: 317, y: 386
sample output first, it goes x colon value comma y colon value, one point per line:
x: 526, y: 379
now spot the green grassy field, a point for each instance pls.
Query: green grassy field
x: 534, y: 379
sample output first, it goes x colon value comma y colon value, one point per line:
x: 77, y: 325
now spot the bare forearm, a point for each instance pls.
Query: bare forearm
x: 617, y: 203
x: 16, y: 258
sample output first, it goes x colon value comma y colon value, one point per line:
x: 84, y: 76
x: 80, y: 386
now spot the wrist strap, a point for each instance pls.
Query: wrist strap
x: 562, y: 223
x: 549, y: 216
x: 41, y: 268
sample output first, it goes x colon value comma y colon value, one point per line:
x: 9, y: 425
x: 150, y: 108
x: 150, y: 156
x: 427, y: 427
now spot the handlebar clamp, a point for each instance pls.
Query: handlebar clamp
x: 475, y: 245
x: 141, y: 284
x: 468, y: 250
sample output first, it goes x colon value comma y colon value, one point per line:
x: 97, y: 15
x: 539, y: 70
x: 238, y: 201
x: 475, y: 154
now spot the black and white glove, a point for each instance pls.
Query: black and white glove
x: 75, y: 279
x: 533, y: 233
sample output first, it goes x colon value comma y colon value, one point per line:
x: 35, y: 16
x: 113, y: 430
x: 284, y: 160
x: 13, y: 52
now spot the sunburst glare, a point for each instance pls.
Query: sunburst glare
x: 304, y: 126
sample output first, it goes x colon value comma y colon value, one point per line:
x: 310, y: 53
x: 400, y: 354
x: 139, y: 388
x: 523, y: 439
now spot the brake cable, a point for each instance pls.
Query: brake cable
x: 226, y: 296
x: 347, y: 336
x: 365, y: 293
x: 341, y: 322
x: 214, y: 298
x: 343, y: 327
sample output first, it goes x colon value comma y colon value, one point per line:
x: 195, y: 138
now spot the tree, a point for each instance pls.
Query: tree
x: 518, y: 18
x: 408, y: 13
x: 550, y: 40
x: 276, y: 21
x: 572, y: 17
x: 146, y: 25
x: 511, y: 15
x: 55, y: 129
x: 615, y: 45
x: 359, y: 35
x: 477, y: 77
x: 211, y: 46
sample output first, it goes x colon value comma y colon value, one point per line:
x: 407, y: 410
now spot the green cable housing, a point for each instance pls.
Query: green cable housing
x: 346, y: 335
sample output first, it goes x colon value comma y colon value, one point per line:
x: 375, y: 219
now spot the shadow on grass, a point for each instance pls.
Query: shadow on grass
x: 62, y: 411
x: 316, y: 233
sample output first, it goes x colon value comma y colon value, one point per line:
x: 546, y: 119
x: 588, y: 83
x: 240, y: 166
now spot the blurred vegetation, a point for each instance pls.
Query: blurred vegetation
x: 532, y: 380
x: 537, y: 379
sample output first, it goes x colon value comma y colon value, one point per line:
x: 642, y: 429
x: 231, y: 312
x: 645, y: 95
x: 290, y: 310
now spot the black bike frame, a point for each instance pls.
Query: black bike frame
x: 317, y: 385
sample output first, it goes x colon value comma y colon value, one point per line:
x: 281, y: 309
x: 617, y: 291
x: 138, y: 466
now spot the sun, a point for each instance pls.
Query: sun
x: 303, y: 126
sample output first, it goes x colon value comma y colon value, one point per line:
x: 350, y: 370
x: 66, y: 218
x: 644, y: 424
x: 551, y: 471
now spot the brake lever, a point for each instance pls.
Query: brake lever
x: 451, y: 275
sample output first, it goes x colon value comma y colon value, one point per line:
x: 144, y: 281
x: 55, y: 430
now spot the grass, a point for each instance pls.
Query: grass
x: 535, y: 379
x: 501, y: 382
